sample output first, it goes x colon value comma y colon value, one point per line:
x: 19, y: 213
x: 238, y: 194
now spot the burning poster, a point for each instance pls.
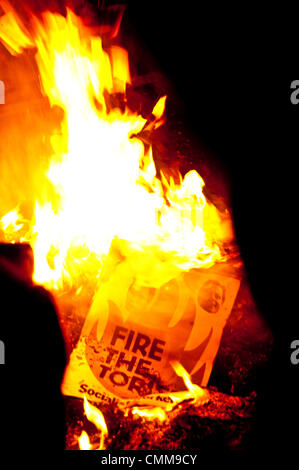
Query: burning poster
x: 128, y: 341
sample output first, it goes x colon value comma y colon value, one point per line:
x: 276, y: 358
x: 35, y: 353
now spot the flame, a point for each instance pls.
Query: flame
x: 101, y: 186
x: 95, y: 416
x: 196, y: 393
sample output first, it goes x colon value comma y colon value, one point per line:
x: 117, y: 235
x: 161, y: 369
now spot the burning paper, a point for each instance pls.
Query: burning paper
x: 129, y: 340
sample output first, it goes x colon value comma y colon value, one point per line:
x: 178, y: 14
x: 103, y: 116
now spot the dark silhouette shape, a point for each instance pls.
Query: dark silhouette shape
x: 31, y: 404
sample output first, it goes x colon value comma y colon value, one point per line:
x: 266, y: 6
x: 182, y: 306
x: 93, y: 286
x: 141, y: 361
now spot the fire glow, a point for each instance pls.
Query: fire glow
x: 102, y: 199
x: 104, y: 183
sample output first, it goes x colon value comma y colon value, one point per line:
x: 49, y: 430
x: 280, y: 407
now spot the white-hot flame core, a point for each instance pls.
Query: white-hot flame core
x: 104, y: 184
x: 84, y: 442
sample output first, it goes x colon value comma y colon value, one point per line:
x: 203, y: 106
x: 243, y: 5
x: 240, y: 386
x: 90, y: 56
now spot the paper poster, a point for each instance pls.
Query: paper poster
x: 129, y: 339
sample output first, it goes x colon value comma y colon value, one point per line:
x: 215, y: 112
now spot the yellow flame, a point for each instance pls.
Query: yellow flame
x: 195, y: 395
x: 13, y: 33
x: 120, y: 68
x: 95, y: 416
x: 102, y: 184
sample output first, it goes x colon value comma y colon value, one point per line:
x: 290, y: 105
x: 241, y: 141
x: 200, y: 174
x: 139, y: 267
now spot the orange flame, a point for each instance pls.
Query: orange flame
x: 104, y: 183
x: 196, y: 393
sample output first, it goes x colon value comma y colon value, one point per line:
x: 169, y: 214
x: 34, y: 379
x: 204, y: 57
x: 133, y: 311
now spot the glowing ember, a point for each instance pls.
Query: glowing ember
x: 84, y: 443
x: 150, y: 413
